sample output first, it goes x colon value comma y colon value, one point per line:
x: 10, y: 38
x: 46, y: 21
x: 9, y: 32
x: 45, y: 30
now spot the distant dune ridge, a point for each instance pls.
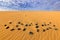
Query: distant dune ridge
x: 30, y: 4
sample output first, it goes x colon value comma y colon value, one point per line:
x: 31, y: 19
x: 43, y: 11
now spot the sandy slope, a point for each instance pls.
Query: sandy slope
x: 28, y: 17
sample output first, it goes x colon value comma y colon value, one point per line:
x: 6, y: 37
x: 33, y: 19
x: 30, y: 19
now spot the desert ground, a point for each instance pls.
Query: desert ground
x: 29, y: 25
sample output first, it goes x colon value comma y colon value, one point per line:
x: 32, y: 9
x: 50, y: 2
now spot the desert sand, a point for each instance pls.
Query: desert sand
x: 29, y: 25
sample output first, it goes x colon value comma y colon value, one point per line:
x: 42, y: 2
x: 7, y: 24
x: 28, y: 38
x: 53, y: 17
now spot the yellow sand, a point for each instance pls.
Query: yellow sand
x: 29, y: 17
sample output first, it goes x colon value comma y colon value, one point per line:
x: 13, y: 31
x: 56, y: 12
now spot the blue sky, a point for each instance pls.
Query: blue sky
x: 30, y: 4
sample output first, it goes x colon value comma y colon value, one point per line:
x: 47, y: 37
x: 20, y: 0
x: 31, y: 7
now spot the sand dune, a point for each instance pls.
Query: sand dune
x: 30, y: 25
